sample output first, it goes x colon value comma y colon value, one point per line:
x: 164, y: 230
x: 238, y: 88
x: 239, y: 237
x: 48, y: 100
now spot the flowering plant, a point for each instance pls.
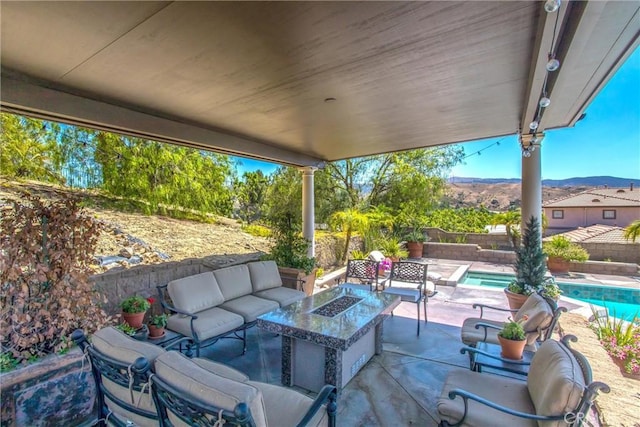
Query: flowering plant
x: 548, y: 288
x: 136, y: 304
x: 386, y: 264
x: 620, y: 338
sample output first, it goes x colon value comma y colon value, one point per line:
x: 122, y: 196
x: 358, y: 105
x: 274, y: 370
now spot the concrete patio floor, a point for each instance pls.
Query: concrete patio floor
x: 401, y: 386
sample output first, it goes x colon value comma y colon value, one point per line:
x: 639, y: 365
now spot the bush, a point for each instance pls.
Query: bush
x: 561, y: 247
x: 620, y: 338
x: 512, y: 330
x: 257, y: 230
x: 47, y: 249
x: 290, y: 248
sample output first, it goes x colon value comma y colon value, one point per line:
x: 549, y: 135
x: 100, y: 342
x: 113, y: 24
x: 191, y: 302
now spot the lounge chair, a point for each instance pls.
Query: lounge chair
x: 542, y: 315
x: 558, y: 392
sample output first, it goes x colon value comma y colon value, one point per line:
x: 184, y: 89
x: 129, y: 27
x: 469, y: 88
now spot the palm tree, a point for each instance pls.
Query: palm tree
x: 349, y: 220
x: 632, y: 232
x: 511, y: 220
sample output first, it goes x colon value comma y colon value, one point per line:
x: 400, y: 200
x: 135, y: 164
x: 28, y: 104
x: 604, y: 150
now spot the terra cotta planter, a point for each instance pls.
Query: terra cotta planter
x: 515, y: 300
x: 558, y: 265
x: 415, y: 249
x: 511, y: 349
x: 133, y: 319
x: 156, y: 332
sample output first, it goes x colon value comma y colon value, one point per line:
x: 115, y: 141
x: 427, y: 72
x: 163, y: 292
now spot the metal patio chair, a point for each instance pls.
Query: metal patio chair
x: 365, y: 272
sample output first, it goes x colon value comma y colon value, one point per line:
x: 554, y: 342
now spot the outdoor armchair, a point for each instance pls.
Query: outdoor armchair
x: 541, y: 317
x: 205, y: 393
x: 558, y: 392
x: 408, y: 280
x: 364, y: 273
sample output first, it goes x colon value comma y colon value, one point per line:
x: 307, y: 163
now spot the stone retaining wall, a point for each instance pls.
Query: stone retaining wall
x: 618, y: 252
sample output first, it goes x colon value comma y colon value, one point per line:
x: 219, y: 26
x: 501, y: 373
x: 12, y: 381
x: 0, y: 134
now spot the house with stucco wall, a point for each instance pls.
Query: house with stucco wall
x: 607, y: 206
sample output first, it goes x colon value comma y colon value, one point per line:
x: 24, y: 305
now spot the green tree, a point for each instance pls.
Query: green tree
x: 632, y: 231
x: 511, y: 220
x: 251, y: 193
x: 530, y: 263
x: 26, y: 148
x: 348, y: 221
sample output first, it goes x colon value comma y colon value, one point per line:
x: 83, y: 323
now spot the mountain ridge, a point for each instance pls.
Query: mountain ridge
x: 592, y: 181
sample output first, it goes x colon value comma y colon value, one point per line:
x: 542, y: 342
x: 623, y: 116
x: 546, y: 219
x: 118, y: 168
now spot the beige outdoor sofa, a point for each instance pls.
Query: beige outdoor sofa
x: 225, y: 302
x: 541, y: 316
x: 142, y: 384
x: 558, y: 392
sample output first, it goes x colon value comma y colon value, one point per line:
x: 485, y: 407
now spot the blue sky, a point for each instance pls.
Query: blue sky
x: 605, y: 142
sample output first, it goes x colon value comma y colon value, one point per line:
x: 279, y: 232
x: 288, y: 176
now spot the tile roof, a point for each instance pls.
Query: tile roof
x: 604, y: 197
x: 596, y: 233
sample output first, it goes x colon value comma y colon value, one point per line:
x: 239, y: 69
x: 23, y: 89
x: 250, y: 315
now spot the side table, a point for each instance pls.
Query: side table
x: 520, y: 367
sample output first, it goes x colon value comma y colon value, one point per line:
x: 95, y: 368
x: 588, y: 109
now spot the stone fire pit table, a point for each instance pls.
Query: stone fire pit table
x: 329, y: 336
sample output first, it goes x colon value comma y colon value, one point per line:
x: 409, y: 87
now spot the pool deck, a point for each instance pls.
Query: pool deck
x: 401, y: 386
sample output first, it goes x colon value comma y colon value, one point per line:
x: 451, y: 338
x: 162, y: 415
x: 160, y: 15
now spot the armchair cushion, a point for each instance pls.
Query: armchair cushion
x: 264, y: 275
x: 220, y: 369
x: 195, y: 293
x: 286, y: 407
x: 555, y: 381
x: 234, y: 281
x: 250, y: 307
x: 210, y: 323
x: 205, y: 386
x: 118, y: 345
x: 504, y: 391
x: 539, y: 315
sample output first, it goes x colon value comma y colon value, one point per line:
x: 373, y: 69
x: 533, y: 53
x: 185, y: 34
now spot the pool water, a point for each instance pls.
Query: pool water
x: 622, y: 302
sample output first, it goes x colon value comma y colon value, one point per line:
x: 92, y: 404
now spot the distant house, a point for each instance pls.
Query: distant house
x: 608, y: 206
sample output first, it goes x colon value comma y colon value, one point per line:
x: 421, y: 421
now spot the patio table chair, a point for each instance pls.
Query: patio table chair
x: 558, y: 392
x: 365, y: 271
x: 408, y: 280
x: 541, y: 313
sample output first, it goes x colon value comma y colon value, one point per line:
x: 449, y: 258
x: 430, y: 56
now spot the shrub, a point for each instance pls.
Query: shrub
x: 290, y: 247
x: 561, y: 247
x: 257, y: 230
x: 135, y: 304
x: 47, y: 249
x: 620, y: 338
x: 512, y: 330
x: 530, y: 263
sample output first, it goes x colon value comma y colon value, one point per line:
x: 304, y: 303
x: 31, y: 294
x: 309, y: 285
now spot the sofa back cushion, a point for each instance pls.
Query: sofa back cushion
x: 539, y: 316
x: 197, y: 383
x: 195, y: 293
x: 264, y: 275
x: 555, y: 381
x: 121, y: 347
x: 234, y: 281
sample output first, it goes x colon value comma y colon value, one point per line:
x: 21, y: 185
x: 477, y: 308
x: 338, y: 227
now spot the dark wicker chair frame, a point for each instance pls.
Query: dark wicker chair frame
x: 120, y: 373
x: 365, y: 271
x: 239, y: 333
x: 410, y: 272
x: 573, y: 418
x: 197, y: 413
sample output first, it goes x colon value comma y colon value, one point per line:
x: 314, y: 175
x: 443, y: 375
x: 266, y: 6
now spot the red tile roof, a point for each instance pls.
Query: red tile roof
x: 596, y: 233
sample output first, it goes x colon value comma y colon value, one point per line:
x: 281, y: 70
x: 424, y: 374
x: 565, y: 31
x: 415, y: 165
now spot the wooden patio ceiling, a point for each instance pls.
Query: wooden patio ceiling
x: 305, y: 82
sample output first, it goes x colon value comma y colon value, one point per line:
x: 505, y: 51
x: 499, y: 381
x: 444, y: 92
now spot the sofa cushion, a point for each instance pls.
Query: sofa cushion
x: 281, y: 295
x: 538, y: 314
x: 145, y: 403
x: 264, y: 275
x: 220, y: 369
x: 555, y: 381
x: 201, y: 385
x: 210, y: 323
x: 234, y: 281
x: 286, y: 407
x: 121, y: 347
x: 195, y: 293
x: 250, y: 307
x: 504, y: 391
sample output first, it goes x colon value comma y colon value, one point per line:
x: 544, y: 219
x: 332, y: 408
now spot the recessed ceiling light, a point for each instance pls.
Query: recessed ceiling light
x: 329, y: 100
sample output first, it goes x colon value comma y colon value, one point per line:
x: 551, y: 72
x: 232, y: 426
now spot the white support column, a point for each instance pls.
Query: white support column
x: 531, y: 186
x: 308, y: 210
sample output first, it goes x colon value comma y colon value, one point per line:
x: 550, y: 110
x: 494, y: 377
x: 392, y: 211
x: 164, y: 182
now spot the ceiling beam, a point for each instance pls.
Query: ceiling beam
x: 23, y: 95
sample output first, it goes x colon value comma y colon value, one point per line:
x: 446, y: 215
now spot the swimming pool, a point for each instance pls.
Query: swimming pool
x: 624, y: 302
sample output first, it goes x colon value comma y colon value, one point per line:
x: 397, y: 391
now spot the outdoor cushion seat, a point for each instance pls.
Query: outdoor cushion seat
x: 250, y: 307
x: 539, y: 314
x: 113, y: 355
x: 200, y: 389
x: 559, y: 387
x: 267, y: 283
x: 210, y: 323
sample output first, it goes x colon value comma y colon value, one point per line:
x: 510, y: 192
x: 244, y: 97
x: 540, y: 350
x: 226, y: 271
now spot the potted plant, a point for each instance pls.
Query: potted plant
x: 512, y: 339
x: 289, y: 251
x: 392, y: 249
x: 134, y: 309
x: 530, y: 266
x: 561, y: 251
x: 156, y: 325
x: 139, y: 334
x: 415, y: 243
